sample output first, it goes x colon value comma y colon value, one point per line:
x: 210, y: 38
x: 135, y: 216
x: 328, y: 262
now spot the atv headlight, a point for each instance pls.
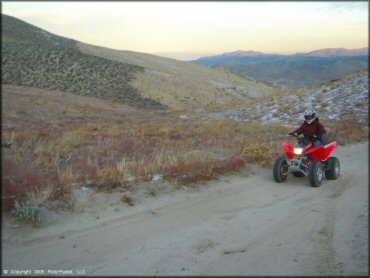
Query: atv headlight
x: 298, y: 151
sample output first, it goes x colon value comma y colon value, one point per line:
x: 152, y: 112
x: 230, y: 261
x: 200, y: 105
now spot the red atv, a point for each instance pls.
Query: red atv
x: 305, y: 160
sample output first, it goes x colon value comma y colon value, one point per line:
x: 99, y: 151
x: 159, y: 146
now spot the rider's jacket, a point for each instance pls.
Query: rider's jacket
x: 309, y: 130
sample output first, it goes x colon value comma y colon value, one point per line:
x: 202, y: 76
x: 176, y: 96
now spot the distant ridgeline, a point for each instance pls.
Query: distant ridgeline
x: 32, y: 57
x: 294, y: 71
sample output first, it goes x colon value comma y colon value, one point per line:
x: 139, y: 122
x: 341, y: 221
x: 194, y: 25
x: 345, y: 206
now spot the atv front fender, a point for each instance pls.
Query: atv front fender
x: 322, y: 153
x: 289, y: 150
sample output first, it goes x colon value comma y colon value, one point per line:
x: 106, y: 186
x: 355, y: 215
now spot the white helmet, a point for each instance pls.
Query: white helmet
x: 309, y: 115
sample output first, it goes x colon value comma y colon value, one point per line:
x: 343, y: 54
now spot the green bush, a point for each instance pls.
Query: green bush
x: 28, y: 211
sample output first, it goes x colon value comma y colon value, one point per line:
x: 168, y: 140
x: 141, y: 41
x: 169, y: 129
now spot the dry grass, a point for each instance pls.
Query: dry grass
x: 183, y: 85
x: 111, y: 148
x: 346, y: 131
x: 259, y: 153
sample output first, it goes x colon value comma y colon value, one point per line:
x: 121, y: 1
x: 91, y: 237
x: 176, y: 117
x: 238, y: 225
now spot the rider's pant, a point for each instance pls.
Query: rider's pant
x: 317, y: 143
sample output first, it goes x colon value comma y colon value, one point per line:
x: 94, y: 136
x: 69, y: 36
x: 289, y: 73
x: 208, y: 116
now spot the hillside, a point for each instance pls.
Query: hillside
x: 342, y: 99
x: 292, y: 71
x: 184, y: 85
x: 33, y: 57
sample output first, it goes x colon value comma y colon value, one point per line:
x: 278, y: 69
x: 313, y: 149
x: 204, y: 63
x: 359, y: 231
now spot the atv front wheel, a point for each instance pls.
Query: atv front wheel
x: 316, y: 174
x: 332, y: 173
x: 280, y: 170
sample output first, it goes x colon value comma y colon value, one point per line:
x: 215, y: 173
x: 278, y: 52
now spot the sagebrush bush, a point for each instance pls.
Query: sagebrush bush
x: 258, y: 153
x: 108, y: 178
x: 28, y: 211
x: 186, y: 172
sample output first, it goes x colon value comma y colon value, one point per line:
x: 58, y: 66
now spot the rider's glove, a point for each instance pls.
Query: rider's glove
x: 292, y: 133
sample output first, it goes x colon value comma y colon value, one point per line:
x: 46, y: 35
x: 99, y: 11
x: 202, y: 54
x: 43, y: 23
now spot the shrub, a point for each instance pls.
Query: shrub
x: 108, y: 178
x: 28, y: 211
x: 193, y: 171
x: 348, y: 131
x: 188, y: 171
x: 229, y: 165
x: 360, y: 104
x: 259, y: 153
x: 127, y: 199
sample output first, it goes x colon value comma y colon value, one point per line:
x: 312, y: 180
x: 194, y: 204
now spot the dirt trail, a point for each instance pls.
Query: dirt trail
x: 234, y: 226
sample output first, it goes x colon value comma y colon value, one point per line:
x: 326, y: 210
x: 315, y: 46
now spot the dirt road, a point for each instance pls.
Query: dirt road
x: 233, y: 226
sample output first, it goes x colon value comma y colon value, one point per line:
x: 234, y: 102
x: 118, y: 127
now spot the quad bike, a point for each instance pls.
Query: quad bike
x: 306, y: 160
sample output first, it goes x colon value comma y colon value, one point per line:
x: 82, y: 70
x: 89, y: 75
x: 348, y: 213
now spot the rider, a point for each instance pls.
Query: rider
x: 311, y: 128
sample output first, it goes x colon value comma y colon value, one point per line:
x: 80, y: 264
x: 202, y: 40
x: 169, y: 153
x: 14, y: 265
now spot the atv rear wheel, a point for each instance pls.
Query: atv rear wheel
x: 332, y: 173
x: 280, y: 170
x: 316, y: 174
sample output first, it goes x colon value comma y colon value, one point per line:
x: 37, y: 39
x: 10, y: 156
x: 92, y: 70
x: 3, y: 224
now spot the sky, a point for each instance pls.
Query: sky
x: 191, y: 29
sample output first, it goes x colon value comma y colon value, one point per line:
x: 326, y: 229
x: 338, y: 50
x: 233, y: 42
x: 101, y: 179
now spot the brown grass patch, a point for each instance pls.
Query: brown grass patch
x: 258, y: 153
x: 346, y: 131
x: 110, y: 148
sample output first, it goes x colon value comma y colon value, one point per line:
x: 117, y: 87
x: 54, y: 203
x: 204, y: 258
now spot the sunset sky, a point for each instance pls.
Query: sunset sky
x: 188, y: 30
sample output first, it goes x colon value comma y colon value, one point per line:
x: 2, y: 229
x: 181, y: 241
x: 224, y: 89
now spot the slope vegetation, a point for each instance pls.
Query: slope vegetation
x: 341, y: 104
x: 184, y: 85
x: 32, y: 57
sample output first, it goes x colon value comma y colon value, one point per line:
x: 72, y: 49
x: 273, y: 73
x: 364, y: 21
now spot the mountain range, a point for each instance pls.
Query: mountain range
x: 293, y: 71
